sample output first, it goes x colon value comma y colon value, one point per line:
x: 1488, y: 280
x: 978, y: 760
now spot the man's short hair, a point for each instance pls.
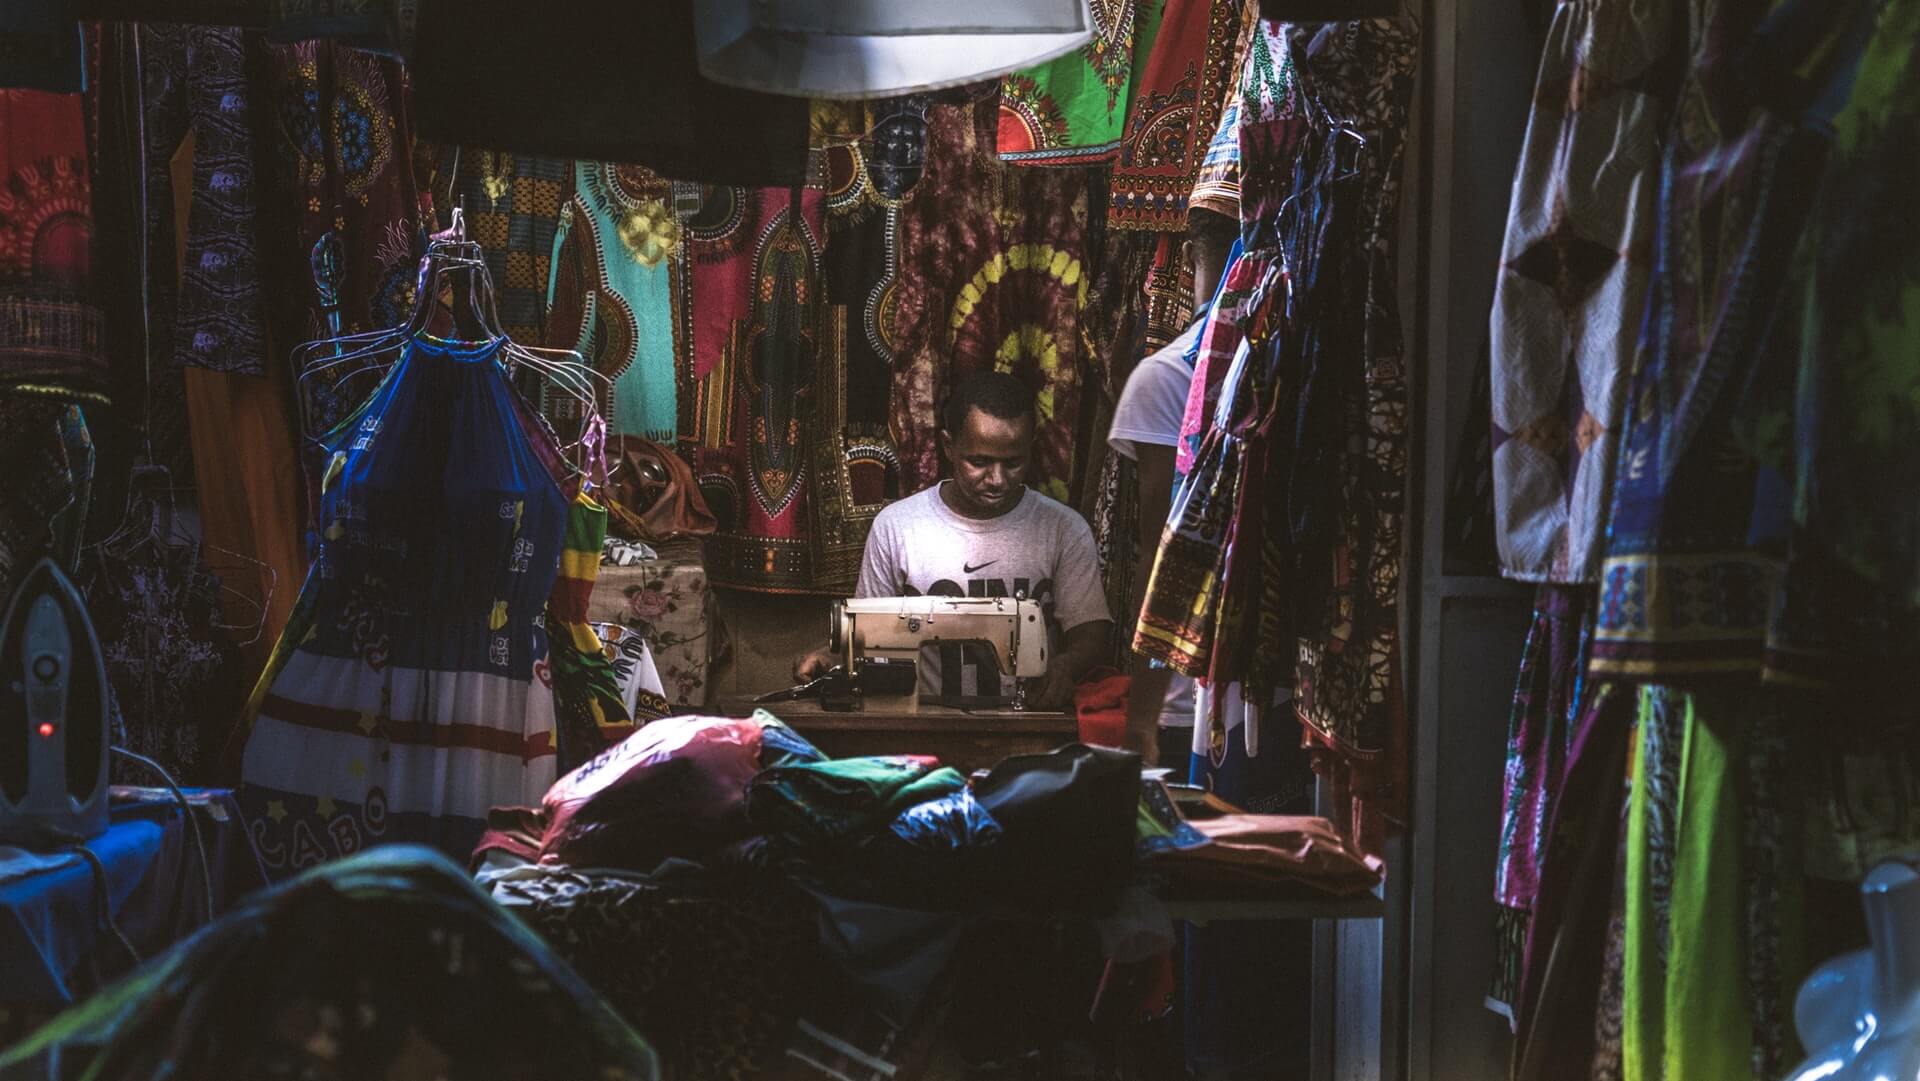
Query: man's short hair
x: 997, y: 394
x: 1211, y: 234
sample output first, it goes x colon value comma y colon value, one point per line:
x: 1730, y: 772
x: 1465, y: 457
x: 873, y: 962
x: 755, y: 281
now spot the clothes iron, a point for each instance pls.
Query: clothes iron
x: 53, y: 716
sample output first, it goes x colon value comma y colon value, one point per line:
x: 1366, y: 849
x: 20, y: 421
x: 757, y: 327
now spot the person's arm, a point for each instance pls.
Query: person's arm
x: 879, y: 577
x: 1081, y: 607
x: 1086, y: 647
x: 1147, y: 693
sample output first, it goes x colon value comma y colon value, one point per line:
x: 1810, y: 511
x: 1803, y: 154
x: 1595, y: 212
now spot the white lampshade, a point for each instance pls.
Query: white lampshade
x: 848, y: 49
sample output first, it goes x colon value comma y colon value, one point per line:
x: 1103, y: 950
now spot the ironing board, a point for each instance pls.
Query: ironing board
x: 55, y: 946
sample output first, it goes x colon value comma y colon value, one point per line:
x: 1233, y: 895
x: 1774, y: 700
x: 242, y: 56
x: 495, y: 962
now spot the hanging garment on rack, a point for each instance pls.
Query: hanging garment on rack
x: 611, y: 81
x: 1346, y: 496
x: 1566, y: 1011
x: 512, y: 204
x: 51, y: 327
x: 1685, y: 593
x: 592, y: 714
x: 758, y: 303
x: 1178, y: 95
x: 1849, y: 616
x: 1706, y: 962
x: 195, y: 85
x: 1220, y: 340
x: 1180, y: 617
x: 1216, y: 184
x: 610, y: 293
x: 1540, y: 732
x: 175, y: 670
x: 992, y: 276
x: 418, y: 691
x: 1073, y: 111
x: 1573, y: 279
x: 1280, y: 567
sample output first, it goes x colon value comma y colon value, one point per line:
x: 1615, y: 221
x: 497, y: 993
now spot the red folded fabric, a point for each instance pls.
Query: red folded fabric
x: 1100, y: 705
x: 675, y: 788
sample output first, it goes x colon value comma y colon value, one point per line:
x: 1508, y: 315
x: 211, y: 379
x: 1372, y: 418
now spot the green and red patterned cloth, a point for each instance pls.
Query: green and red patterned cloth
x: 1073, y: 111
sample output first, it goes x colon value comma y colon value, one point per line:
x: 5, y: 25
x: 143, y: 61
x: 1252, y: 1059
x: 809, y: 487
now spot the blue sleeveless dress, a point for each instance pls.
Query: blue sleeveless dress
x: 411, y: 691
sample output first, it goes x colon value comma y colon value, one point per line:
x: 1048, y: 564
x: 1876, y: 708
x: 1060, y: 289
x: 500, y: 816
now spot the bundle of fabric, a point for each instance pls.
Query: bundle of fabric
x: 1048, y: 833
x: 675, y: 788
x: 889, y: 830
x: 388, y: 964
x: 1278, y: 853
x: 827, y: 802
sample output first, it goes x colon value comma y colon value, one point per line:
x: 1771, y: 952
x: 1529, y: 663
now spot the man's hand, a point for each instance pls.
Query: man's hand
x: 1053, y: 691
x: 811, y: 666
x: 1146, y: 696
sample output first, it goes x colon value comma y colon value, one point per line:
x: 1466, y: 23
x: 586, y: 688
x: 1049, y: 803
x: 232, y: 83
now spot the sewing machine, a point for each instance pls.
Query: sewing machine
x: 879, y: 640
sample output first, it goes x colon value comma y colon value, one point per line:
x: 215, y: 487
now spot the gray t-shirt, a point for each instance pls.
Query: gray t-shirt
x: 1043, y: 549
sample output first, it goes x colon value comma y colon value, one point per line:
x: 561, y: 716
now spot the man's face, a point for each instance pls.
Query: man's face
x: 990, y: 456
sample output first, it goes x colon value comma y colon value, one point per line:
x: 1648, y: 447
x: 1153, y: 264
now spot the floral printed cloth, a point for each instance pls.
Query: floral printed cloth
x: 670, y: 602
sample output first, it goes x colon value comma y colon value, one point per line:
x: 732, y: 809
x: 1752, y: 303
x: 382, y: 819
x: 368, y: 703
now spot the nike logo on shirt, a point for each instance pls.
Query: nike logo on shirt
x: 965, y: 569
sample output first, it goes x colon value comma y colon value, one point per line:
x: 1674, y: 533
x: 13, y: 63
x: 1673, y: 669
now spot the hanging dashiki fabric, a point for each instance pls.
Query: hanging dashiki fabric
x: 1178, y: 99
x: 1073, y: 111
x: 875, y: 153
x: 755, y: 307
x: 991, y: 277
x: 52, y: 341
x: 611, y: 293
x: 512, y: 205
x: 51, y: 327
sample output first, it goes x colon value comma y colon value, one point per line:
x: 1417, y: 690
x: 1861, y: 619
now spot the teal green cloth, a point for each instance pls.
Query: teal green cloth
x: 623, y: 236
x: 820, y: 803
x: 1073, y: 110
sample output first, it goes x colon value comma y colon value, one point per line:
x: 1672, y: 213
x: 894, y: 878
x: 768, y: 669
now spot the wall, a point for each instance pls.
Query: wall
x: 1481, y: 62
x: 763, y: 633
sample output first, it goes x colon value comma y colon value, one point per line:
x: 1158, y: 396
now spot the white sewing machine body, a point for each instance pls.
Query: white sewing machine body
x: 878, y: 640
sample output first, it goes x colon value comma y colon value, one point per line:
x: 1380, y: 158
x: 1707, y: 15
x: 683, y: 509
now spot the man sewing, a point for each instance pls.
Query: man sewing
x: 984, y: 533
